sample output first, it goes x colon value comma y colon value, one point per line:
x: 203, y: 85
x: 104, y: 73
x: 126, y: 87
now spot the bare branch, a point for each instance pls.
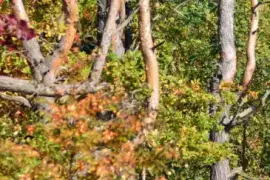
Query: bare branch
x: 245, y: 114
x: 105, y: 42
x: 32, y: 48
x: 251, y: 62
x: 30, y: 87
x: 71, y: 10
x: 17, y: 99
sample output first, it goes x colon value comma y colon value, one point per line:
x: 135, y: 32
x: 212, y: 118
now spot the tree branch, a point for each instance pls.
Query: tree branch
x: 17, y: 99
x: 105, y: 42
x: 243, y: 116
x: 251, y: 62
x: 70, y: 8
x: 126, y: 21
x: 32, y: 48
x: 30, y: 87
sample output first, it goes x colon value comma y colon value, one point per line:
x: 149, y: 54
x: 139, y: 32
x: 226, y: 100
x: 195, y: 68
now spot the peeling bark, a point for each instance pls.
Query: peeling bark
x: 151, y: 64
x: 105, y: 42
x: 251, y: 62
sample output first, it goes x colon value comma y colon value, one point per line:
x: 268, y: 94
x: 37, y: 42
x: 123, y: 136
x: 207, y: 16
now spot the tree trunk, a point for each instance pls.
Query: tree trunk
x: 227, y: 40
x: 221, y: 169
x: 105, y: 42
x: 151, y: 64
x: 128, y: 30
x: 117, y: 42
x: 103, y: 6
x: 227, y: 69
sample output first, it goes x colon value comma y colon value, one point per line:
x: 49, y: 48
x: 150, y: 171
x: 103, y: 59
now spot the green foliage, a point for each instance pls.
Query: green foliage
x: 76, y: 142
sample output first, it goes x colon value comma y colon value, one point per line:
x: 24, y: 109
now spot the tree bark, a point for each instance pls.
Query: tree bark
x: 128, y: 30
x: 227, y: 40
x: 101, y: 18
x: 71, y: 11
x: 221, y: 169
x: 151, y: 64
x: 32, y: 49
x: 227, y: 69
x: 117, y: 42
x: 251, y: 62
x: 40, y: 89
x: 105, y: 42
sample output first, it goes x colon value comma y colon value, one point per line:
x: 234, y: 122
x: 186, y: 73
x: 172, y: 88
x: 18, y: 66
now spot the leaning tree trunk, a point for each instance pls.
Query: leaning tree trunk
x: 227, y: 69
x: 105, y: 42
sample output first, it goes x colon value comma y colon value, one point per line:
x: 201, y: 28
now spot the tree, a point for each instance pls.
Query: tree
x: 136, y: 105
x: 227, y: 70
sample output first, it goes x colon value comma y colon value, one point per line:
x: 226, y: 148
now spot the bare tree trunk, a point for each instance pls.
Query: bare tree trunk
x: 227, y: 69
x: 251, y: 62
x: 105, y: 42
x: 151, y: 64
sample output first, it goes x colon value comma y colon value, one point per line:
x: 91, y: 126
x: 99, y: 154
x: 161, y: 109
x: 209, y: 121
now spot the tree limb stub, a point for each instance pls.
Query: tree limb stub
x: 17, y: 99
x: 252, y: 38
x: 30, y: 87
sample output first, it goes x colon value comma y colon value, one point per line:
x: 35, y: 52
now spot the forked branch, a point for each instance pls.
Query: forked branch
x: 243, y: 116
x: 32, y: 48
